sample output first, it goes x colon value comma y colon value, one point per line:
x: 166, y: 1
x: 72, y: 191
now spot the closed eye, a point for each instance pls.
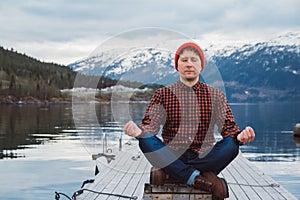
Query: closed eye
x: 184, y: 59
x: 194, y: 59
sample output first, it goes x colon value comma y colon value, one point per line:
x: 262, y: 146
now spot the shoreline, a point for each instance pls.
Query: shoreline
x: 12, y: 100
x: 9, y: 100
x: 103, y: 99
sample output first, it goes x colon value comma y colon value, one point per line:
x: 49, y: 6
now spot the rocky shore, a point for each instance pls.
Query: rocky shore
x: 100, y: 98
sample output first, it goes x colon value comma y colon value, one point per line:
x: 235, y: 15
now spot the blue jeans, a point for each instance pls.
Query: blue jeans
x: 183, y: 166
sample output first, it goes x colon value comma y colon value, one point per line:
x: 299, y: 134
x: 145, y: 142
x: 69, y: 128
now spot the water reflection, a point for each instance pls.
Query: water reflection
x: 22, y: 126
x: 273, y: 124
x: 27, y: 125
x: 31, y: 126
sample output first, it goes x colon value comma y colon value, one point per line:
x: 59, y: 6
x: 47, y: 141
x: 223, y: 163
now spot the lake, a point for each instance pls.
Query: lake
x: 48, y: 148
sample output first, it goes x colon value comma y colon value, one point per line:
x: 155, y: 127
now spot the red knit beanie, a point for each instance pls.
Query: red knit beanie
x: 189, y: 44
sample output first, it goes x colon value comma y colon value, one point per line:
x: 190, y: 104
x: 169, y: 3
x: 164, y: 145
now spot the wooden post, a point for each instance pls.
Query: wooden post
x: 297, y: 130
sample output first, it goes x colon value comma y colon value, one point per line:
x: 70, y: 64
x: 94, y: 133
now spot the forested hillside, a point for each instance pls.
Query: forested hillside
x: 23, y: 76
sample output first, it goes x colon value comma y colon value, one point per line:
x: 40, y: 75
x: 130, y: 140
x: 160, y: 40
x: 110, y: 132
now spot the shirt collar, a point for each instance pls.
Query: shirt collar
x: 197, y: 86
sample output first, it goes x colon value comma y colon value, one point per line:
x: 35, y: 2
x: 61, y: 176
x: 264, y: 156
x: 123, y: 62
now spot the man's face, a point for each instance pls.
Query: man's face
x: 189, y: 65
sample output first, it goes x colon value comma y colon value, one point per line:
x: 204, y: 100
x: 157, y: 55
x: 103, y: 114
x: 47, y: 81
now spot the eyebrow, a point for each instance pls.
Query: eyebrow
x: 189, y: 57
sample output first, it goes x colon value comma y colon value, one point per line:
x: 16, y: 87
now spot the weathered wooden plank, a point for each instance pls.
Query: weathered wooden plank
x: 262, y: 190
x: 281, y: 190
x: 273, y: 189
x: 127, y: 176
x: 236, y: 192
x: 136, y: 185
x: 240, y: 174
x: 139, y: 190
x: 96, y: 185
x: 115, y: 177
x: 106, y: 174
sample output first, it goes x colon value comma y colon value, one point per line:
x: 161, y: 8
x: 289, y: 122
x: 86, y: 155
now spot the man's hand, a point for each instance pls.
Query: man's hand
x: 247, y: 135
x: 132, y: 129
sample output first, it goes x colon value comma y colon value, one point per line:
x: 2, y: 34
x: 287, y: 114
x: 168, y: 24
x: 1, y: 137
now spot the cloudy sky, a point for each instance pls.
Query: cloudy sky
x: 63, y: 31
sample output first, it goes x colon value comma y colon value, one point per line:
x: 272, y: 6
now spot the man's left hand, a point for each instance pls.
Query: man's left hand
x: 247, y: 135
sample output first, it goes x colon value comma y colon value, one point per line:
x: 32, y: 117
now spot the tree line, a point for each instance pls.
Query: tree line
x: 22, y: 76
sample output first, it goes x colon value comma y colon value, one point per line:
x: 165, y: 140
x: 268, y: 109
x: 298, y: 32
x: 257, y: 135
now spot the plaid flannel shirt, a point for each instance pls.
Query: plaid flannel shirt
x: 189, y: 115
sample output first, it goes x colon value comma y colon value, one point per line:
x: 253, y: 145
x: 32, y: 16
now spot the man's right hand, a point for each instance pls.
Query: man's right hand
x: 132, y: 129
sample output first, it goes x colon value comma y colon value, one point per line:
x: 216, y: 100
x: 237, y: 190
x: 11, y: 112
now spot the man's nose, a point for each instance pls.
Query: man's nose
x: 189, y: 63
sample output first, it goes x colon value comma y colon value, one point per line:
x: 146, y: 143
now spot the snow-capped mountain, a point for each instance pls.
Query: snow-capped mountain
x: 265, y: 70
x: 147, y: 65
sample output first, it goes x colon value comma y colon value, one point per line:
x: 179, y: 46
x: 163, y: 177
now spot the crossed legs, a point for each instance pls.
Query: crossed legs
x: 185, y: 166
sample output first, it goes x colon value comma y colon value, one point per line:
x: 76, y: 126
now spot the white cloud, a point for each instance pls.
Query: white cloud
x: 55, y: 51
x: 60, y: 31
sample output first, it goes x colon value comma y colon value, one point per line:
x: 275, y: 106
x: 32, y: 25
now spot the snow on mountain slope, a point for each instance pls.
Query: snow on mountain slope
x: 151, y: 65
x: 260, y: 70
x: 147, y: 65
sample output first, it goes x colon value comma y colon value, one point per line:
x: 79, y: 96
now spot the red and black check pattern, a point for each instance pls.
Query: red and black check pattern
x: 189, y: 116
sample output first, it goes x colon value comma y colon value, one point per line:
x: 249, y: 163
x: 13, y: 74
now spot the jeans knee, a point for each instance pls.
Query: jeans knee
x: 150, y: 143
x: 232, y: 146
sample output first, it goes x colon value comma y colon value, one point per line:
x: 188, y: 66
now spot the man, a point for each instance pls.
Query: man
x: 189, y: 111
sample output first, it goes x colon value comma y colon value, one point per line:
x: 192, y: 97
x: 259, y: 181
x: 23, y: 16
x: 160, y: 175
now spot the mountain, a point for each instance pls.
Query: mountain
x: 147, y: 65
x: 250, y: 72
x: 263, y: 71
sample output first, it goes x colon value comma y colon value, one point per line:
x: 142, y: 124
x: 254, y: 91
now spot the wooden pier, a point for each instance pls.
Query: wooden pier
x: 125, y: 177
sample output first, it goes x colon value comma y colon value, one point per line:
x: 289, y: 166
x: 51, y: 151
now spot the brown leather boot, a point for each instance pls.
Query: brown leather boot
x: 202, y: 183
x: 157, y: 176
x: 219, y: 185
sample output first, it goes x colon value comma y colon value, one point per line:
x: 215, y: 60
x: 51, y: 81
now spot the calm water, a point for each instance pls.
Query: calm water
x: 43, y: 150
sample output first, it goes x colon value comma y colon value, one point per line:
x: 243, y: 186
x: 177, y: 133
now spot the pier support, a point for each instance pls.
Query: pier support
x: 297, y: 130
